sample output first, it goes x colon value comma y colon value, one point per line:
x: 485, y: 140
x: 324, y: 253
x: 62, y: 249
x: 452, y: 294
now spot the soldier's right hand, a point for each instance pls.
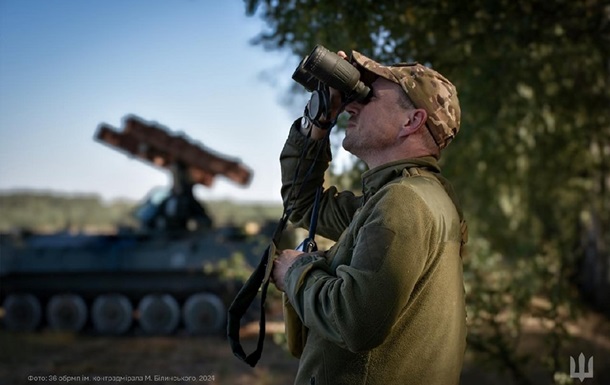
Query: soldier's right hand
x: 335, y: 103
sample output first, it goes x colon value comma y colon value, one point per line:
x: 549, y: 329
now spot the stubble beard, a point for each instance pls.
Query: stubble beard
x: 358, y: 144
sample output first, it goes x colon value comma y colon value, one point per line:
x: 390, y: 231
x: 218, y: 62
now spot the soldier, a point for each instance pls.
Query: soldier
x: 384, y: 305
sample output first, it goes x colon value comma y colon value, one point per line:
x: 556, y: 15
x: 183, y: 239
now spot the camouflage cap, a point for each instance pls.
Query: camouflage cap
x: 427, y: 89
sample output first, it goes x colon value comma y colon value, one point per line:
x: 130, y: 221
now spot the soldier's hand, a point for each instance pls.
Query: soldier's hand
x: 281, y: 264
x: 335, y: 108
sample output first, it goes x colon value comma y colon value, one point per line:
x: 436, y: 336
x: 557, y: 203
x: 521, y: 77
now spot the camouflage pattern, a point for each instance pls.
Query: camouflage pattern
x: 427, y: 89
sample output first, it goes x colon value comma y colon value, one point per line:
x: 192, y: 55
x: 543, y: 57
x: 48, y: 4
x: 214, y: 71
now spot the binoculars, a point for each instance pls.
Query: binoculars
x: 322, y: 69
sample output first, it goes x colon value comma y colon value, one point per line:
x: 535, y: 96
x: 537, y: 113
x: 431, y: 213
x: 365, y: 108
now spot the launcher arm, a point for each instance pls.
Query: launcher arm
x: 155, y: 145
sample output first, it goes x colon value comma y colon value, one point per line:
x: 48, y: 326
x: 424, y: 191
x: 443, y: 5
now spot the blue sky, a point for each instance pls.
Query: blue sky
x: 68, y: 65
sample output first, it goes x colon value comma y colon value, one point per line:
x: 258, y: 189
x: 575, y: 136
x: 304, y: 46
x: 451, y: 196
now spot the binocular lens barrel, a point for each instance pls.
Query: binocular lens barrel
x: 304, y: 78
x: 332, y: 70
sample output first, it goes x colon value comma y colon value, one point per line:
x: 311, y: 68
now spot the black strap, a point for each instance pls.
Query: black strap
x: 309, y: 244
x: 245, y: 297
x: 261, y: 275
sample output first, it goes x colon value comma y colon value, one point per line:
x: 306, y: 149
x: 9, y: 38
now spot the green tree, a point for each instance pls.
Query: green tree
x: 532, y: 159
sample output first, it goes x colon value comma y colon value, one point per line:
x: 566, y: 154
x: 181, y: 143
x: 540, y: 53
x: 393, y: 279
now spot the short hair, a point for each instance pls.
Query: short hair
x: 404, y: 101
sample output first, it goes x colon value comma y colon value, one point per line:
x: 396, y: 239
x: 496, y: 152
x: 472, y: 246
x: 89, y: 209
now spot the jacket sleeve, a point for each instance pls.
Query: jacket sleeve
x: 357, y: 306
x: 336, y: 209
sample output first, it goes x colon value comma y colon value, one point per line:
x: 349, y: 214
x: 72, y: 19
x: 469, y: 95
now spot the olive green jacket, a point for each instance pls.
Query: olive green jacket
x: 385, y: 305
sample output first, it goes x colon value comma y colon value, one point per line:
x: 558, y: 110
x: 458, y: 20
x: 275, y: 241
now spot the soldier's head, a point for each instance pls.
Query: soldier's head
x: 409, y: 102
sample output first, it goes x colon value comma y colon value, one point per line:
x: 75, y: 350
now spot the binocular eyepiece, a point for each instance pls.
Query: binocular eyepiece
x: 322, y: 69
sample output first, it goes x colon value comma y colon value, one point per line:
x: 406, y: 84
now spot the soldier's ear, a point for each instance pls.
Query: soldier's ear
x: 415, y: 120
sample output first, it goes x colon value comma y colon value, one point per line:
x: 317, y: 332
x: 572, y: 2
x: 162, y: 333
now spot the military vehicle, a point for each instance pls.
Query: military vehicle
x: 152, y: 279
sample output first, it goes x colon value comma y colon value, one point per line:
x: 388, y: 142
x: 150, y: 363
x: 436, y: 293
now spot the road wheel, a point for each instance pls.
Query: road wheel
x: 22, y: 312
x: 66, y: 312
x: 159, y: 314
x: 204, y: 313
x: 111, y: 314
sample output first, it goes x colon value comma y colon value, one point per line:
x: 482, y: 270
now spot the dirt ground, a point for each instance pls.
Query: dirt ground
x: 49, y: 357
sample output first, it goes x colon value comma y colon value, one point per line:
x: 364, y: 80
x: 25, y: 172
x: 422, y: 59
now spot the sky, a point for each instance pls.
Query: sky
x: 68, y: 65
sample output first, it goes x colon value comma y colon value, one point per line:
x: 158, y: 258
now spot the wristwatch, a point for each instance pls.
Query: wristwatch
x: 305, y: 123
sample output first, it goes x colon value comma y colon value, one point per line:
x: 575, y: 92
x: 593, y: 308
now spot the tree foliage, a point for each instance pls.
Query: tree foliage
x: 532, y: 160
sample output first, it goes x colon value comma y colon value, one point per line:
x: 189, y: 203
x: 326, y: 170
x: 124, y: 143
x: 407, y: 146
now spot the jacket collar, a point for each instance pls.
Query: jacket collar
x: 375, y: 178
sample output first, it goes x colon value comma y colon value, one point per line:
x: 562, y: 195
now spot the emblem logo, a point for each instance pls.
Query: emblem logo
x: 581, y: 372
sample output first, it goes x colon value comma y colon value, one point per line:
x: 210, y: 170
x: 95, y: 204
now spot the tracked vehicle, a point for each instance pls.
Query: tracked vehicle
x: 156, y: 278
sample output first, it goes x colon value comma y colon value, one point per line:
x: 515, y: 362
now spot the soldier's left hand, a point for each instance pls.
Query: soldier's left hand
x: 281, y: 264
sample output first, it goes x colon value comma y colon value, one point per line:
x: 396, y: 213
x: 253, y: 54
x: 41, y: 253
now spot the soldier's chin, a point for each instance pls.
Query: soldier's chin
x: 347, y: 144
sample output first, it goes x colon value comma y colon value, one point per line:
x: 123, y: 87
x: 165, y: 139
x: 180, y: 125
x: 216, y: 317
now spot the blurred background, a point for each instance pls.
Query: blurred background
x: 121, y: 263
